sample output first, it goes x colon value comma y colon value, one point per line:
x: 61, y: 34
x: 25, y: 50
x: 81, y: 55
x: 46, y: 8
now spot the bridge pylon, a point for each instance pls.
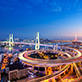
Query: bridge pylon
x: 10, y: 41
x: 55, y: 47
x: 75, y: 37
x: 37, y: 42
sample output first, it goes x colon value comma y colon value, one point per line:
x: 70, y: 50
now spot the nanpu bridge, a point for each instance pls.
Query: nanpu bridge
x: 73, y: 56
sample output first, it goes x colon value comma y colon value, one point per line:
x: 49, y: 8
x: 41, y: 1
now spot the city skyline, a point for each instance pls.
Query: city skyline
x: 53, y: 19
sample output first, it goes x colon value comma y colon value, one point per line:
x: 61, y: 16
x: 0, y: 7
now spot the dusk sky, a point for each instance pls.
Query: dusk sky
x: 52, y: 18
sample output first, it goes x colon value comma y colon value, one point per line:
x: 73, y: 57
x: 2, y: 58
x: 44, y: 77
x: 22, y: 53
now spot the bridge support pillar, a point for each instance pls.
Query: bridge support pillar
x: 60, y: 67
x: 71, y: 67
x: 53, y: 80
x: 54, y: 47
x: 20, y: 45
x: 70, y: 50
x: 6, y: 43
x: 78, y: 74
x: 45, y: 69
x: 45, y: 47
x: 59, y: 76
x: 61, y: 49
x: 64, y: 73
x: 32, y: 67
x: 79, y: 63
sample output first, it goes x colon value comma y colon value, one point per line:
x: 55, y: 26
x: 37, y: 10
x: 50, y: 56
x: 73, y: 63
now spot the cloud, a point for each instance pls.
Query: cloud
x: 46, y: 5
x: 6, y: 2
x: 15, y: 6
x: 52, y: 6
x: 29, y: 6
x: 72, y: 3
x: 76, y: 1
x: 58, y: 9
x: 80, y: 9
x: 26, y: 4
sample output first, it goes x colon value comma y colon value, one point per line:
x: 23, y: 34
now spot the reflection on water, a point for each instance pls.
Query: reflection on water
x: 2, y: 50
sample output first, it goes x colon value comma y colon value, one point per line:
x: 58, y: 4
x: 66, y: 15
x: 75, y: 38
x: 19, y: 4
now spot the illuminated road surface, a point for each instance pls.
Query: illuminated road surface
x: 51, y: 63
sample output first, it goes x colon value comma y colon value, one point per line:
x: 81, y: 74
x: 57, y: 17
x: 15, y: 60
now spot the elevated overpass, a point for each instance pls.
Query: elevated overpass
x: 24, y: 56
x: 69, y: 62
